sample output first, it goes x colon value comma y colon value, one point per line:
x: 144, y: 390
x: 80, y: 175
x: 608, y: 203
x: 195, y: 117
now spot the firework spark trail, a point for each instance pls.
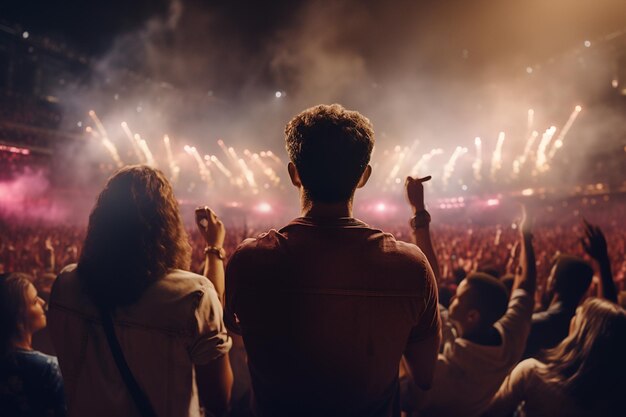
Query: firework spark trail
x: 558, y: 142
x: 424, y: 159
x: 531, y: 121
x: 215, y: 160
x: 143, y: 145
x: 248, y: 175
x: 133, y: 142
x: 233, y: 154
x: 274, y: 158
x: 496, y: 159
x: 269, y: 172
x: 224, y: 149
x: 98, y: 123
x: 109, y: 146
x: 541, y: 163
x: 401, y: 155
x: 203, y: 171
x: 410, y: 152
x: 174, y: 168
x: 519, y: 162
x: 478, y: 162
x: 448, y: 169
x: 113, y: 151
x: 529, y: 145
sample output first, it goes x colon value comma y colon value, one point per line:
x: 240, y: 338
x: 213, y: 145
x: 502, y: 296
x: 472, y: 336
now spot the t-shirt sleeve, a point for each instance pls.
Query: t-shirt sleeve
x: 233, y: 276
x: 54, y: 386
x: 212, y: 340
x: 429, y: 323
x: 515, y: 324
x: 513, y: 390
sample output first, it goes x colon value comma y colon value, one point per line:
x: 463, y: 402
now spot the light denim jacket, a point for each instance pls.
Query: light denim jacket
x: 177, y: 322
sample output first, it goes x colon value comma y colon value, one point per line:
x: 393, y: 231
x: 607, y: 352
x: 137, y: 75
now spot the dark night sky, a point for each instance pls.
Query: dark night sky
x: 92, y: 25
x: 491, y: 30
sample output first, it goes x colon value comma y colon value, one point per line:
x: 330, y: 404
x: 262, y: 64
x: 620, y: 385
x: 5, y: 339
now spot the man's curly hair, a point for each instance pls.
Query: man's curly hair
x: 135, y: 236
x: 331, y: 147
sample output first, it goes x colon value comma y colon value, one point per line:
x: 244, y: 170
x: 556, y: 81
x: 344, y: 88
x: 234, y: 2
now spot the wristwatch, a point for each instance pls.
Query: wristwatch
x: 421, y: 219
x: 220, y: 252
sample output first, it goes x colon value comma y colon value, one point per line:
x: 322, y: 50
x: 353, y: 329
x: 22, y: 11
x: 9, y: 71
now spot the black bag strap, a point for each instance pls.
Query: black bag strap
x: 139, y: 397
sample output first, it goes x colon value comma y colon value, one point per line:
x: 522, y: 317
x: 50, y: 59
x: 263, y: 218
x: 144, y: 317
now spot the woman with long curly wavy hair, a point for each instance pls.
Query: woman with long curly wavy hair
x: 582, y: 376
x: 131, y: 326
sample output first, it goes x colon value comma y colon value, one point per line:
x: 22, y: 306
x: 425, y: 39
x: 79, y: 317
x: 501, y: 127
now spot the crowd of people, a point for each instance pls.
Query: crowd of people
x: 461, y: 248
x: 324, y: 317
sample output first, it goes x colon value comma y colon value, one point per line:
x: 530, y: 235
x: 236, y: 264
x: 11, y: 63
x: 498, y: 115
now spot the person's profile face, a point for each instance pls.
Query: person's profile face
x: 34, y: 314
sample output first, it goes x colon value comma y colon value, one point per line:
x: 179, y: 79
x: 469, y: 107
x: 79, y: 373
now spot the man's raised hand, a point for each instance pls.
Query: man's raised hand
x: 415, y: 192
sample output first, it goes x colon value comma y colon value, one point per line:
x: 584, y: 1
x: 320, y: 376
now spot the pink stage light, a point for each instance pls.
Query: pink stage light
x: 263, y: 208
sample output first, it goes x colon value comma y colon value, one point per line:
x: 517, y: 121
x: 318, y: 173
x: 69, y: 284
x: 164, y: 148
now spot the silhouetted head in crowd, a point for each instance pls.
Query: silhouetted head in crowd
x: 135, y: 236
x: 459, y: 275
x: 490, y: 270
x: 330, y: 149
x: 479, y: 302
x: 21, y: 312
x: 589, y: 364
x: 508, y: 280
x: 569, y: 279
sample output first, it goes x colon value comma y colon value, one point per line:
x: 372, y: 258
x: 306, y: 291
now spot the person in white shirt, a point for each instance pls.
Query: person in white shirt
x: 491, y: 333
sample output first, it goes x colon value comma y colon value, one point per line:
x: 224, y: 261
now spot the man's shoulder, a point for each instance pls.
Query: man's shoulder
x: 258, y: 247
x: 66, y: 288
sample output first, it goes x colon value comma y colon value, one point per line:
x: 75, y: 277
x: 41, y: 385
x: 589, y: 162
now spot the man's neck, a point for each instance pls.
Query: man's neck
x: 326, y: 210
x: 488, y: 337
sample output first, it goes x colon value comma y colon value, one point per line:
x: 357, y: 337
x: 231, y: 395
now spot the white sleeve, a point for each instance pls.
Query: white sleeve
x: 211, y: 340
x: 515, y: 324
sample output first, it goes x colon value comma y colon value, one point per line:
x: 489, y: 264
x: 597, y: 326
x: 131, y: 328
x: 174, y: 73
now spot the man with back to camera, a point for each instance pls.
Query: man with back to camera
x: 327, y: 306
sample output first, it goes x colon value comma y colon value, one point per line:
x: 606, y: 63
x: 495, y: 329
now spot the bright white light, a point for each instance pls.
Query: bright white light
x: 587, y: 44
x: 493, y: 202
x: 578, y: 108
x: 464, y: 188
x: 614, y: 83
x: 477, y: 141
x: 263, y: 208
x: 381, y: 207
x: 25, y: 35
x: 278, y: 94
x: 528, y: 192
x: 529, y: 70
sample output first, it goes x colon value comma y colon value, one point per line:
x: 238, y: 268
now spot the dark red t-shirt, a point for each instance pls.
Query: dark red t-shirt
x: 326, y: 309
